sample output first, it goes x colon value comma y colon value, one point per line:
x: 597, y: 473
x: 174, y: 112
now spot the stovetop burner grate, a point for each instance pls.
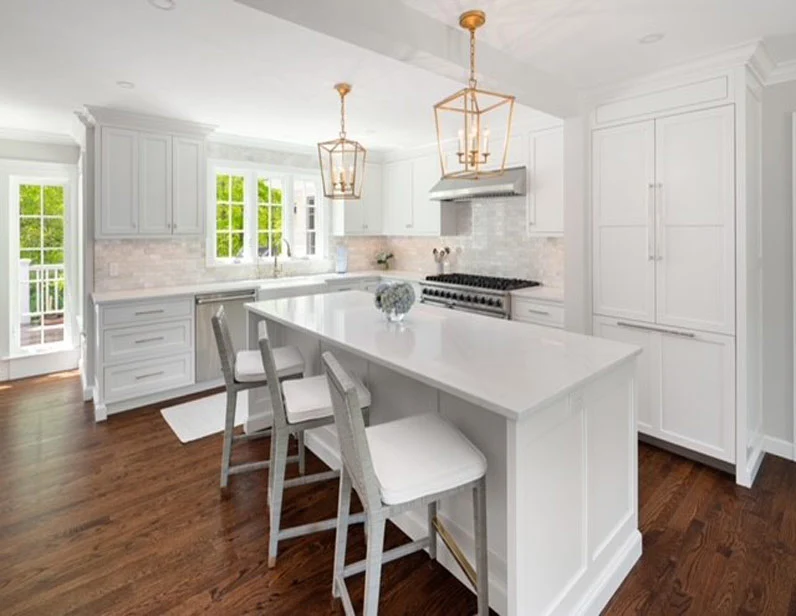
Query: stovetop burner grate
x: 483, y: 282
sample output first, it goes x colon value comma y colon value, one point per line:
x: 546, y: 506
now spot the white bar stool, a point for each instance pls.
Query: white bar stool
x: 396, y: 466
x: 244, y: 370
x: 298, y: 405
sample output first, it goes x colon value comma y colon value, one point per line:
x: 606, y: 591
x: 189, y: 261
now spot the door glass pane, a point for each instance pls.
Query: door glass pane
x: 41, y: 276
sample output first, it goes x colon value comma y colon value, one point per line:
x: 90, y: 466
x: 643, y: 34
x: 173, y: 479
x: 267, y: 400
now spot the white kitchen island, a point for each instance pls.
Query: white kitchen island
x: 552, y: 411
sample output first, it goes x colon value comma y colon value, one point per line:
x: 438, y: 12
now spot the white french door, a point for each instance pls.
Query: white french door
x: 38, y: 281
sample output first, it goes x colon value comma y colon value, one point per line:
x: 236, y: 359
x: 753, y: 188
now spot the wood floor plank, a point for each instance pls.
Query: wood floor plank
x: 120, y: 518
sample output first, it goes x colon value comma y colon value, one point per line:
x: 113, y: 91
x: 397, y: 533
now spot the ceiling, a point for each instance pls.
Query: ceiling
x: 590, y: 43
x: 210, y: 61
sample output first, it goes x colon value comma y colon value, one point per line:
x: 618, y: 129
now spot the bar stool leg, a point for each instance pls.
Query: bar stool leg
x: 302, y: 452
x: 278, y: 463
x: 375, y: 526
x: 341, y: 536
x: 229, y: 427
x: 432, y: 531
x: 481, y: 553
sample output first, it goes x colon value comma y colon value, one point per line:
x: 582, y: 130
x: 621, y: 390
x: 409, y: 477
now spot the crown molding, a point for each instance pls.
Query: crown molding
x: 761, y: 64
x: 32, y: 136
x: 138, y: 121
x: 782, y: 72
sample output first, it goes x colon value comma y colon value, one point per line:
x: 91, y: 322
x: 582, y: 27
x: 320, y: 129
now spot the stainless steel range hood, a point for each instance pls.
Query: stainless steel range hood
x: 511, y: 183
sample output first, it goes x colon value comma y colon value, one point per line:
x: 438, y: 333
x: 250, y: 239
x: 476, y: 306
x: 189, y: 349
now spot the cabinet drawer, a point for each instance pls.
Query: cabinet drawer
x: 537, y: 312
x: 143, y: 312
x: 144, y: 377
x: 146, y: 341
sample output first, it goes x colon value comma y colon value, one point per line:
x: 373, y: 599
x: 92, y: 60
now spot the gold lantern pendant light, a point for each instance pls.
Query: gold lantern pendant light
x: 463, y: 122
x: 342, y: 160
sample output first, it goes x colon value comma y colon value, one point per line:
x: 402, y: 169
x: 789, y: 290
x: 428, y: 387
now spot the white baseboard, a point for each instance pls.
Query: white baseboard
x: 600, y: 594
x: 779, y: 447
x: 37, y: 364
x: 4, y: 371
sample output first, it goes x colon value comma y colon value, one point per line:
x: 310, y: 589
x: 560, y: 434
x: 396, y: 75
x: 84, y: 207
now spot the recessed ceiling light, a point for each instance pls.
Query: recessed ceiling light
x: 163, y: 5
x: 127, y: 85
x: 649, y: 39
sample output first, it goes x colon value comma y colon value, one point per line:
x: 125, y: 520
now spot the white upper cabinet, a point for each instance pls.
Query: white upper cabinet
x: 154, y: 184
x: 151, y: 176
x: 546, y: 183
x: 361, y: 216
x: 189, y: 181
x: 397, y: 190
x: 695, y: 200
x: 118, y: 209
x: 425, y: 212
x: 623, y: 177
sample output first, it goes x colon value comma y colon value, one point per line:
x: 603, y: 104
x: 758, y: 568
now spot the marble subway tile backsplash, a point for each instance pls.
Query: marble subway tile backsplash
x: 120, y: 265
x: 497, y: 246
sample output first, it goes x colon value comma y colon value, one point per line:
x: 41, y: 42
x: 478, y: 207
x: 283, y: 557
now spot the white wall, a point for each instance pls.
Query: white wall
x: 779, y: 102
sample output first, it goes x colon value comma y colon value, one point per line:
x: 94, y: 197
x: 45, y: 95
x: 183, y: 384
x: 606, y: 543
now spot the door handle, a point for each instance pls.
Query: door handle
x: 660, y: 236
x: 650, y: 221
x: 660, y: 330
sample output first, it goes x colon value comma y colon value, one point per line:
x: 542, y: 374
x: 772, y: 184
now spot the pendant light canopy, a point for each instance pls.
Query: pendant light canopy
x: 342, y: 160
x: 465, y: 120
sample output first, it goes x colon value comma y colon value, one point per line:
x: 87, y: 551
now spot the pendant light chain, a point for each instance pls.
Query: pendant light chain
x: 473, y: 82
x: 342, y: 115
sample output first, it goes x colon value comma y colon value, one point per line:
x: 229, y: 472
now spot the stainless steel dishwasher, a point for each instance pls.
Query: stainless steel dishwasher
x: 208, y: 366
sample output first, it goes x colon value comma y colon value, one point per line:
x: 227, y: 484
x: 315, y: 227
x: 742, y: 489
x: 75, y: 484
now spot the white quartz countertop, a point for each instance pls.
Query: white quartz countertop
x: 506, y: 367
x: 106, y: 297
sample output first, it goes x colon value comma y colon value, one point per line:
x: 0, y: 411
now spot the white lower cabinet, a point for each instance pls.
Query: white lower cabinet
x: 537, y: 312
x: 148, y: 376
x: 686, y: 385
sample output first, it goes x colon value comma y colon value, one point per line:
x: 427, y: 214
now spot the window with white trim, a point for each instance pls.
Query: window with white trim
x: 259, y: 213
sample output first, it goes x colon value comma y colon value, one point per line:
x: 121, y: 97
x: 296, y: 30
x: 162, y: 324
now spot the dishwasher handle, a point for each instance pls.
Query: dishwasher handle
x: 219, y: 299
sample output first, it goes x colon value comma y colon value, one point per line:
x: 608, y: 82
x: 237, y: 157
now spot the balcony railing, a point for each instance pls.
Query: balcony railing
x: 41, y: 303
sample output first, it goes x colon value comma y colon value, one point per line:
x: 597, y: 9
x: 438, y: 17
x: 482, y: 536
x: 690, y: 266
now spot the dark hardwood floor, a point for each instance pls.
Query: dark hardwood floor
x: 120, y: 518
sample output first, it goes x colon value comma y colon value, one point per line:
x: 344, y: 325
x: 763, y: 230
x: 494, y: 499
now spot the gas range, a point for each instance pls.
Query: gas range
x: 482, y: 294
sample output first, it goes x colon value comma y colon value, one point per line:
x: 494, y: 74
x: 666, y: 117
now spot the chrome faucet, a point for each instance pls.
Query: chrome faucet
x: 277, y: 271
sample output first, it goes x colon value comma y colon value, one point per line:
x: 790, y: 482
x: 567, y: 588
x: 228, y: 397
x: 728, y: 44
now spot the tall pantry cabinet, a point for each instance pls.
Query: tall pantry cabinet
x: 676, y: 263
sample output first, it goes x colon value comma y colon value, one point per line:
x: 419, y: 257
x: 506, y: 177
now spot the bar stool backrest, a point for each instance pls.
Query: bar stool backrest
x: 354, y: 449
x: 274, y: 385
x: 226, y: 351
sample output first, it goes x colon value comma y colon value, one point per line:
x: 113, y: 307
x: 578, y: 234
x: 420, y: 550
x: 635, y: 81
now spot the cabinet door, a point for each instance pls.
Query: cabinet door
x: 546, y: 183
x: 397, y: 188
x: 648, y: 409
x: 371, y: 209
x: 118, y: 211
x: 425, y: 212
x: 154, y: 184
x: 623, y: 218
x: 189, y: 180
x: 697, y: 393
x: 695, y: 175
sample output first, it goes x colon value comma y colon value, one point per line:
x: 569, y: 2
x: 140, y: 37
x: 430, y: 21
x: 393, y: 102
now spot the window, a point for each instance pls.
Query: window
x: 261, y: 213
x: 230, y: 206
x: 305, y: 229
x: 270, y: 216
x: 40, y: 274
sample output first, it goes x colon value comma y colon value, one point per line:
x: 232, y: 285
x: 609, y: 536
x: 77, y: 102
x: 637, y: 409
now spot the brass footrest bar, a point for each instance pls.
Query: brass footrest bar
x: 456, y: 551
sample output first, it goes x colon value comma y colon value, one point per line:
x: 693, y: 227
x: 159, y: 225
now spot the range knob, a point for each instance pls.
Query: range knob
x: 499, y: 303
x: 490, y: 302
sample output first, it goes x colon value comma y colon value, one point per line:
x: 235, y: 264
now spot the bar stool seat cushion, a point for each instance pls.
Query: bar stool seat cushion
x: 309, y: 398
x: 421, y: 455
x: 249, y: 364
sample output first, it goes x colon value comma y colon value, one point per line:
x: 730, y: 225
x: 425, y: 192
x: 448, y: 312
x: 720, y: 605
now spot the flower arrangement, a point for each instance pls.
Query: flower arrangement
x: 394, y: 299
x: 383, y: 259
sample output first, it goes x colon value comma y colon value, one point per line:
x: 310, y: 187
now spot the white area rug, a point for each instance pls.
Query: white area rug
x: 200, y: 418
